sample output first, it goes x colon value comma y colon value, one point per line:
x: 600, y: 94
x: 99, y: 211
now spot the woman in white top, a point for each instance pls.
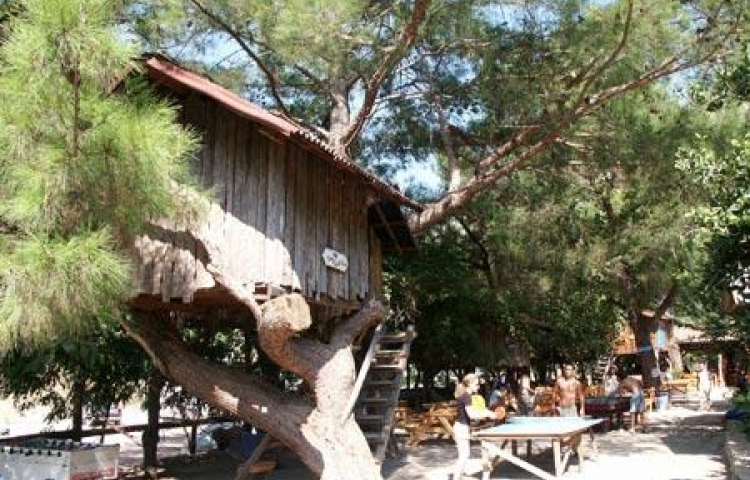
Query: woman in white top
x: 468, y: 386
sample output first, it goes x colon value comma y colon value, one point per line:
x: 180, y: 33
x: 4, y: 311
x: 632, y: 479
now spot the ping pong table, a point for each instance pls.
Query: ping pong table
x: 612, y: 409
x: 562, y: 431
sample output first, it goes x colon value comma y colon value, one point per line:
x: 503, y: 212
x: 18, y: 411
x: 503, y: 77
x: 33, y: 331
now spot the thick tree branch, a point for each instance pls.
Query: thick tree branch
x: 279, y: 321
x: 271, y: 78
x: 453, y: 201
x: 220, y: 386
x: 438, y: 211
x: 487, y: 265
x: 368, y: 316
x: 628, y: 285
x: 407, y: 38
x: 666, y: 301
x: 284, y: 319
x: 610, y: 60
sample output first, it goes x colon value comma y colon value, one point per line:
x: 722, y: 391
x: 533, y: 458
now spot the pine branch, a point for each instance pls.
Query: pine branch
x: 407, y: 38
x: 272, y: 79
x: 487, y: 171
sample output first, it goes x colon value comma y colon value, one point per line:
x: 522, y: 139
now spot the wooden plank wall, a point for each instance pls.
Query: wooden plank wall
x: 277, y: 208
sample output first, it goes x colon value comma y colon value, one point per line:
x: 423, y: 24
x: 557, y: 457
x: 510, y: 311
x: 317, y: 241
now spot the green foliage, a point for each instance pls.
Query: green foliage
x: 722, y: 175
x: 555, y: 235
x: 438, y: 290
x: 109, y: 365
x: 83, y: 170
x: 48, y: 284
x: 741, y: 401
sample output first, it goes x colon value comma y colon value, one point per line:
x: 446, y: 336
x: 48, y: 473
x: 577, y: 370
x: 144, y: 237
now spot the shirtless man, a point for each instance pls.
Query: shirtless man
x: 567, y: 390
x: 634, y: 387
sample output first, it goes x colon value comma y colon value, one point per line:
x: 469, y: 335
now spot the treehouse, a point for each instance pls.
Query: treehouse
x: 289, y: 213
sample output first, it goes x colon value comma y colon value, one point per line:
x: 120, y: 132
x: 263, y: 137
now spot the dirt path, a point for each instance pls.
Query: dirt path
x: 679, y: 444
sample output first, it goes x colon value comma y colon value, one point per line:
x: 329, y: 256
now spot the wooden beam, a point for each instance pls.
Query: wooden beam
x: 381, y: 216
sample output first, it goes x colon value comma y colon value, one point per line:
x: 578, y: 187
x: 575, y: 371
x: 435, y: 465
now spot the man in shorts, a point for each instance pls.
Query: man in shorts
x: 568, y: 390
x: 634, y: 387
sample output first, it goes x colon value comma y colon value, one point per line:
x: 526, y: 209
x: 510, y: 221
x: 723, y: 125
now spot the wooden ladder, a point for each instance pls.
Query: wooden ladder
x: 377, y: 400
x: 603, y: 364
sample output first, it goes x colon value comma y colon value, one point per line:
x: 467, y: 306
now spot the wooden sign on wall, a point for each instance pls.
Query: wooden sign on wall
x: 335, y: 260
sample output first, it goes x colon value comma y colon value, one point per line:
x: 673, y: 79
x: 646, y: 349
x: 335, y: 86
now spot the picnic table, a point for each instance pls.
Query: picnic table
x: 682, y: 385
x: 561, y: 431
x: 436, y: 421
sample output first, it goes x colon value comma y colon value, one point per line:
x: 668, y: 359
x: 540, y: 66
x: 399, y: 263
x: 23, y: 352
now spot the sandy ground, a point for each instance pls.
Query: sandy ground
x: 678, y: 444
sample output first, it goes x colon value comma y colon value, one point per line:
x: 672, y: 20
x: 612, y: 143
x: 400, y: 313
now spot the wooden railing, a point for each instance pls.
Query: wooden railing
x: 363, y: 372
x: 109, y: 430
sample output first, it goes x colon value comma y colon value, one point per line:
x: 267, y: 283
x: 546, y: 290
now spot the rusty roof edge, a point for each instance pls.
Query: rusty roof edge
x: 165, y: 66
x: 227, y: 98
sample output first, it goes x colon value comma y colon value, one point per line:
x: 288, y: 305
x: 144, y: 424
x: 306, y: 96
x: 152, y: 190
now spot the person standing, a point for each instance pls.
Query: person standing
x: 634, y: 387
x: 466, y: 412
x: 526, y: 395
x: 704, y: 387
x: 611, y: 382
x: 568, y: 391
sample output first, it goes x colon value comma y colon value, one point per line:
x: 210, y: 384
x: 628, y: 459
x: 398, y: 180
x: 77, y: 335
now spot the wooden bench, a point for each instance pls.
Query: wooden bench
x: 544, y: 402
x: 436, y: 422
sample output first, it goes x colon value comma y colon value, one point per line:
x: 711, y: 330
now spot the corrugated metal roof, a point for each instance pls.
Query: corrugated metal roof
x: 165, y: 71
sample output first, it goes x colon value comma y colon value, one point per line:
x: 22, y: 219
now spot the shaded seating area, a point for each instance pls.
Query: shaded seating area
x: 436, y: 421
x: 544, y: 402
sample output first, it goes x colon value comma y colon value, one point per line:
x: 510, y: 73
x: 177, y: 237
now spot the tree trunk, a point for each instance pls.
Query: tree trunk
x: 151, y: 433
x: 646, y: 352
x: 332, y: 447
x: 640, y: 326
x: 675, y: 356
x: 79, y: 390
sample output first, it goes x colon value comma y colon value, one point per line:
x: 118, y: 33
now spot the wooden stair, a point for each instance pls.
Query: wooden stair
x: 378, y: 396
x: 603, y: 364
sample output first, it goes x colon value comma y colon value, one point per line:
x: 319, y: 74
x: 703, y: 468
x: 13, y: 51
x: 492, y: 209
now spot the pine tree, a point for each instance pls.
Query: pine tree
x: 82, y: 169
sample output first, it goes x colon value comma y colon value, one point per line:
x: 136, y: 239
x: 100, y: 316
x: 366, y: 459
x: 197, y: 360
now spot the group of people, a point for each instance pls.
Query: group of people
x: 515, y: 394
x: 569, y: 392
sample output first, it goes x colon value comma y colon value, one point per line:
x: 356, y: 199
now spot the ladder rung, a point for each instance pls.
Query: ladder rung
x: 369, y: 418
x: 395, y: 337
x: 375, y: 399
x: 373, y: 437
x: 387, y: 366
x: 398, y: 352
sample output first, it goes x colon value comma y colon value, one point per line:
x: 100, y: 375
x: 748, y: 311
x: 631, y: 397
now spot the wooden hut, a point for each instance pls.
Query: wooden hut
x: 289, y: 213
x: 675, y: 338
